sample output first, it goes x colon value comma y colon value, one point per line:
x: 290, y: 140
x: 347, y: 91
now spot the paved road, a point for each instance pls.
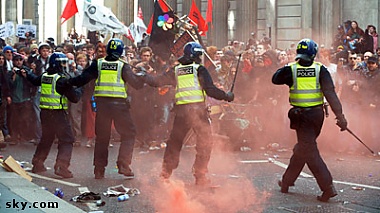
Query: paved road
x: 247, y: 182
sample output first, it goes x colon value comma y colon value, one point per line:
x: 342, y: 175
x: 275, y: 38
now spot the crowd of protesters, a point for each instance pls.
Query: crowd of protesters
x: 249, y: 122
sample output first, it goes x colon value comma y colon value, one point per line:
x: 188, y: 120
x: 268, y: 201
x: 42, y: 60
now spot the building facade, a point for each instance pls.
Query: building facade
x: 284, y: 21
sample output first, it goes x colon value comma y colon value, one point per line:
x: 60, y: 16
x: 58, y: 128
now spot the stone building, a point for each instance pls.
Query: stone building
x: 284, y: 21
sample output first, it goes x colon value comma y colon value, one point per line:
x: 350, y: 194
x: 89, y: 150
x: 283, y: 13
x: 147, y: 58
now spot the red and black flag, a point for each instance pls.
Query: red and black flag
x: 163, y: 30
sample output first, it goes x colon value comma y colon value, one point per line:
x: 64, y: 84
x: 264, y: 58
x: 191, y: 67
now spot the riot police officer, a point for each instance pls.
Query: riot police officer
x: 309, y: 82
x: 55, y: 94
x: 192, y: 82
x: 111, y: 74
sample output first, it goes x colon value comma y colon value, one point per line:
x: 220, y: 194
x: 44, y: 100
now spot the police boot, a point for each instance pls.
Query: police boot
x: 166, y: 173
x: 284, y: 187
x: 38, y: 166
x: 99, y: 172
x: 62, y: 169
x: 126, y: 171
x: 327, y: 194
x: 202, y: 180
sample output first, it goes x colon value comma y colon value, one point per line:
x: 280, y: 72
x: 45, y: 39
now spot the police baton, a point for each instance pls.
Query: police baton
x: 237, y: 69
x: 360, y: 140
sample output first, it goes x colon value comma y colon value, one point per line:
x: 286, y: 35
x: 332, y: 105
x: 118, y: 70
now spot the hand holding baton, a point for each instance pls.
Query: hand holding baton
x: 237, y: 69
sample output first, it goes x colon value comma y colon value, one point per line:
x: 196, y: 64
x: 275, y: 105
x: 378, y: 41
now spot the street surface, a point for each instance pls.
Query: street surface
x: 244, y: 182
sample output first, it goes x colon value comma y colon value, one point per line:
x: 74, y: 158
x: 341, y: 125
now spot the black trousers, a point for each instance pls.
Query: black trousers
x: 190, y: 117
x: 309, y: 126
x: 55, y: 123
x: 109, y: 111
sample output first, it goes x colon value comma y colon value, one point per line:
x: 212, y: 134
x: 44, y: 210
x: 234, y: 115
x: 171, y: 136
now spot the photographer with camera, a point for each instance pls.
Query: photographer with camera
x: 4, y: 96
x: 21, y: 106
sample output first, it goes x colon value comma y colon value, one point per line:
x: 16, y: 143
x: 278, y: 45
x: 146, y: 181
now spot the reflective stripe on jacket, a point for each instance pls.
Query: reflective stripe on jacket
x: 110, y: 82
x: 50, y: 98
x: 188, y: 88
x: 306, y: 89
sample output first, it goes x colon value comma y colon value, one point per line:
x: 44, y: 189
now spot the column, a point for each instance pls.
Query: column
x: 29, y: 10
x: 11, y: 15
x: 60, y: 38
x: 327, y: 27
x: 306, y: 18
x: 11, y: 11
x: 246, y: 18
x: 219, y: 17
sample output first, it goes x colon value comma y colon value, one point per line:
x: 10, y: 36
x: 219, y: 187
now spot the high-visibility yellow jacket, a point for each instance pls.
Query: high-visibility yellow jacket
x: 110, y: 82
x: 188, y: 88
x: 50, y: 98
x: 306, y: 89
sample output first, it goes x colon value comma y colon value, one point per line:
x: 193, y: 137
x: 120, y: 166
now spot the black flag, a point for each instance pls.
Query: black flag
x: 163, y: 31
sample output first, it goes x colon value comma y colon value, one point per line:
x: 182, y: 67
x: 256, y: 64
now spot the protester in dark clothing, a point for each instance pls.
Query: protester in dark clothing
x: 371, y: 101
x: 192, y: 82
x: 4, y: 94
x: 112, y: 106
x: 309, y: 82
x: 354, y: 37
x: 22, y: 117
x: 55, y: 94
x: 370, y: 39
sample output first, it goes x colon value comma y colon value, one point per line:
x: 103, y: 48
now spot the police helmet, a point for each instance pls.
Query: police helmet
x: 115, y: 47
x: 192, y: 50
x: 57, y: 60
x: 306, y: 49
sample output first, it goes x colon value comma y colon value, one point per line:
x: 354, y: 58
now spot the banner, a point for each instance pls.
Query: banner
x: 100, y: 18
x: 177, y: 48
x: 21, y: 29
x: 137, y: 29
x: 7, y: 30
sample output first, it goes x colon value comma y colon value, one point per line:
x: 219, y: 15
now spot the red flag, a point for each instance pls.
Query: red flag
x: 69, y: 11
x: 164, y: 7
x: 140, y: 14
x: 209, y: 12
x: 196, y: 17
x: 129, y: 35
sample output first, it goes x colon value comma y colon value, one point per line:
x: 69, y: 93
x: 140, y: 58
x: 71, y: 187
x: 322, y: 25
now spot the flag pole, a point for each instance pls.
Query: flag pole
x: 135, y: 11
x: 166, y: 4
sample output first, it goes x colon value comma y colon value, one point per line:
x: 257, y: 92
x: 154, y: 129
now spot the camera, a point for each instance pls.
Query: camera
x: 17, y: 70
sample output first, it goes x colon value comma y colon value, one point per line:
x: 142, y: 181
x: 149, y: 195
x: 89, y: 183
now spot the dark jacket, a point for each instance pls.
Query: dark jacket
x: 4, y: 83
x: 21, y: 90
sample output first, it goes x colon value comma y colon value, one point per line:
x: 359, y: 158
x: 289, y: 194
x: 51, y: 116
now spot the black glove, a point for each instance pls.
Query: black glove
x: 229, y: 96
x: 341, y: 122
x: 141, y: 71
